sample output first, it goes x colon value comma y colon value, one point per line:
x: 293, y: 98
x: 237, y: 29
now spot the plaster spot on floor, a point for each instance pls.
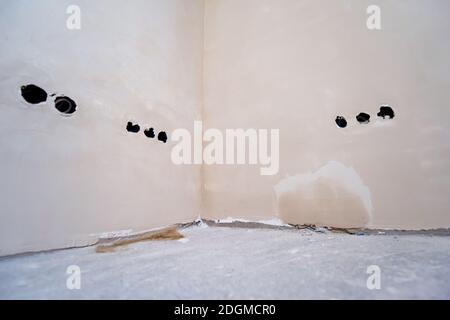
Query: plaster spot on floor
x: 65, y: 105
x: 363, y: 118
x: 341, y: 122
x: 33, y: 94
x: 162, y: 136
x: 133, y: 127
x: 334, y: 196
x: 149, y: 133
x: 386, y: 111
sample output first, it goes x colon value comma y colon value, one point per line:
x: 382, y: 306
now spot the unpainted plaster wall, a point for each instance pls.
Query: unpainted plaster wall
x: 296, y: 65
x: 67, y: 179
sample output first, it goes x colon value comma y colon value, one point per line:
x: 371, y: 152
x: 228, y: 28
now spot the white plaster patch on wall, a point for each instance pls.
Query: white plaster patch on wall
x: 334, y: 195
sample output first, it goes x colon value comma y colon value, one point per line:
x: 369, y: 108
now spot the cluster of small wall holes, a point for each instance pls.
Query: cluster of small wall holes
x: 149, y: 133
x: 364, y: 118
x: 34, y: 95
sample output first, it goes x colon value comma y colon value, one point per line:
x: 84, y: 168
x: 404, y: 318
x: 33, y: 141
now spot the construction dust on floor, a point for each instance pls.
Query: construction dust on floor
x: 240, y: 263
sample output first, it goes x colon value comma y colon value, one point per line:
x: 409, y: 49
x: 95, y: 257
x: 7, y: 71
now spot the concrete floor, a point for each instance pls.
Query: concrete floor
x: 240, y: 263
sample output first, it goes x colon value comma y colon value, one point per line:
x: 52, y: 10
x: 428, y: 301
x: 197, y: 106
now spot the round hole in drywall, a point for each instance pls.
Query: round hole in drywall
x: 363, y: 117
x: 33, y: 94
x: 162, y: 136
x: 65, y: 105
x: 134, y: 128
x: 341, y: 122
x: 386, y: 111
x: 149, y: 133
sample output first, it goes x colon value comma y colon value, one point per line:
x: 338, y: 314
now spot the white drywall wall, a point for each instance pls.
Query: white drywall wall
x: 288, y: 65
x: 66, y: 179
x: 294, y: 66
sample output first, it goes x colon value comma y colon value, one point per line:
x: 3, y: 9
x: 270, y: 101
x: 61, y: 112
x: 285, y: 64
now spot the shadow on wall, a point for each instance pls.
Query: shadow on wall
x: 332, y: 196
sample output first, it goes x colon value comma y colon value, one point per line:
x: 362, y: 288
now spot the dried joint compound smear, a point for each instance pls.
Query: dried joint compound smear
x: 334, y: 196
